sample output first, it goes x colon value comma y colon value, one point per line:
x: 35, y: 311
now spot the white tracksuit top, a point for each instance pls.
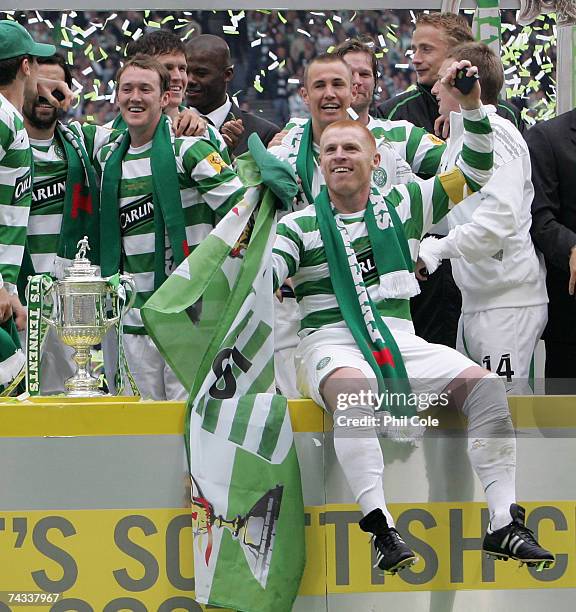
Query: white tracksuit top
x: 494, y: 261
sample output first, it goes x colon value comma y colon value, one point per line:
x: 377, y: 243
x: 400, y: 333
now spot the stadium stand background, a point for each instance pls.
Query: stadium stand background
x: 271, y: 48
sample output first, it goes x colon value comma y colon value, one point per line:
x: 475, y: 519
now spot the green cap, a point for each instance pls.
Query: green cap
x: 15, y: 41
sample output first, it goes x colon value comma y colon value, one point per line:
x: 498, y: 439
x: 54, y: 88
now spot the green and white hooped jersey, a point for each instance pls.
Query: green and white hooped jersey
x: 422, y: 150
x: 404, y: 148
x: 15, y: 191
x: 299, y: 251
x: 209, y: 188
x: 50, y: 172
x: 212, y: 134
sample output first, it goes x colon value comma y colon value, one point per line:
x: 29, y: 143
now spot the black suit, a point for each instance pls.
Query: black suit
x: 552, y: 147
x: 252, y: 123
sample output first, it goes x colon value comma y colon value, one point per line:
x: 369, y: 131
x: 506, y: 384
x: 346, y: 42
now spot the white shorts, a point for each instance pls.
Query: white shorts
x: 430, y: 367
x: 503, y: 340
x: 152, y: 374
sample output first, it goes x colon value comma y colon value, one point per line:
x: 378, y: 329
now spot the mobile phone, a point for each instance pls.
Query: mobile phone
x: 287, y: 291
x: 464, y: 83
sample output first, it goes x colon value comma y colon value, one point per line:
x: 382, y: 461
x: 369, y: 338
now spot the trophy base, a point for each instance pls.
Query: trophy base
x: 82, y: 387
x: 84, y: 393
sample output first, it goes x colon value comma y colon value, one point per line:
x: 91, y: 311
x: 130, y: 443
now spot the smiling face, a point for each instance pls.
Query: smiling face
x: 36, y: 110
x: 446, y: 102
x: 140, y: 99
x: 430, y: 47
x: 328, y: 92
x: 175, y: 63
x: 362, y: 77
x: 348, y: 157
x: 208, y: 78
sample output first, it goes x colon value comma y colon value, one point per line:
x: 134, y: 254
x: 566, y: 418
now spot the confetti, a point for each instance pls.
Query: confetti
x: 88, y: 39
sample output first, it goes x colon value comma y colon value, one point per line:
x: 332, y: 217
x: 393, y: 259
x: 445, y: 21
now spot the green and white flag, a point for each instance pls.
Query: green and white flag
x: 487, y: 24
x: 212, y: 320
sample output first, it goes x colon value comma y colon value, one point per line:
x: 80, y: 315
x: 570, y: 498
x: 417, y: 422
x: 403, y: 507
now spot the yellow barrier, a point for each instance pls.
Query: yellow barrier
x: 107, y: 555
x: 127, y: 416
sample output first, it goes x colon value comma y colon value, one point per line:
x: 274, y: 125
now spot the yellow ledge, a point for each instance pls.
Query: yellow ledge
x: 57, y: 416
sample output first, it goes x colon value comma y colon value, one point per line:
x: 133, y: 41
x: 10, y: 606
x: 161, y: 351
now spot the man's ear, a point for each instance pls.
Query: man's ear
x: 376, y: 160
x: 25, y: 66
x: 304, y: 95
x: 164, y: 99
x: 354, y: 91
x: 228, y: 73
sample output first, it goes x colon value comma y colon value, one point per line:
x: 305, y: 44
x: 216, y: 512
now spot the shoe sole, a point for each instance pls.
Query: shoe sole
x: 539, y: 563
x: 401, y: 565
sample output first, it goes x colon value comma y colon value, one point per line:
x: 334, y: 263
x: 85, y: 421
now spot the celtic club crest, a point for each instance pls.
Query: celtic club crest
x: 379, y: 177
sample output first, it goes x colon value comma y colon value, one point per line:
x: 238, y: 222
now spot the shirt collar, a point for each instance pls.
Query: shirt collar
x: 218, y: 115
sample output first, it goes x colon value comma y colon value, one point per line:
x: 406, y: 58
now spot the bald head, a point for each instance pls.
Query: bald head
x: 208, y: 44
x: 348, y: 157
x: 209, y: 72
x: 353, y: 127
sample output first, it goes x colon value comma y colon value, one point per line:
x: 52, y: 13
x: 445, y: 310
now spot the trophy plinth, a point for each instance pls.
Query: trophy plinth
x: 80, y: 318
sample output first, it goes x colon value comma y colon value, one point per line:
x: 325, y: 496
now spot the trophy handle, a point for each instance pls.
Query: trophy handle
x: 50, y: 322
x: 125, y: 279
x: 45, y: 319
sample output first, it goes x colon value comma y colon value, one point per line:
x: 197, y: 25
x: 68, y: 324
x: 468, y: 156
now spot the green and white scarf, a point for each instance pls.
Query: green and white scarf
x: 168, y: 212
x: 305, y: 161
x: 211, y: 131
x: 394, y: 265
x: 82, y: 198
x: 81, y: 205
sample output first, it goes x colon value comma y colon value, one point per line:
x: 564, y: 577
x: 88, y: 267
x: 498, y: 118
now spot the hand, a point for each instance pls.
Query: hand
x: 277, y: 140
x: 442, y: 127
x: 5, y: 305
x: 279, y: 296
x: 572, y: 264
x: 45, y: 87
x: 20, y: 313
x: 420, y: 270
x: 471, y: 100
x: 189, y: 123
x: 231, y: 132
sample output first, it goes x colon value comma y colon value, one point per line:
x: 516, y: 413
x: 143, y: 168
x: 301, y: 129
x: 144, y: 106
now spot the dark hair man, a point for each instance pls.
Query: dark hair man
x: 151, y: 180
x: 18, y: 76
x: 552, y: 146
x: 210, y: 70
x: 494, y: 261
x: 65, y: 202
x: 437, y: 309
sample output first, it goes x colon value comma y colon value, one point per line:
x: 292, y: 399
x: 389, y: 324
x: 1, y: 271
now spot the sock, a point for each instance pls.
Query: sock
x: 492, y: 446
x: 359, y: 454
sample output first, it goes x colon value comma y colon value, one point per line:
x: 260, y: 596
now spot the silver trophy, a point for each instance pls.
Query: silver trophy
x: 80, y: 304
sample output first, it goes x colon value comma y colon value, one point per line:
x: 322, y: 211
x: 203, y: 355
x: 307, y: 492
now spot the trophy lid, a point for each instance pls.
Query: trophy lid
x: 82, y: 268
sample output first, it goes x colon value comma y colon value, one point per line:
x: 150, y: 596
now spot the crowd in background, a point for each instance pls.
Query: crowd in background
x: 270, y: 50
